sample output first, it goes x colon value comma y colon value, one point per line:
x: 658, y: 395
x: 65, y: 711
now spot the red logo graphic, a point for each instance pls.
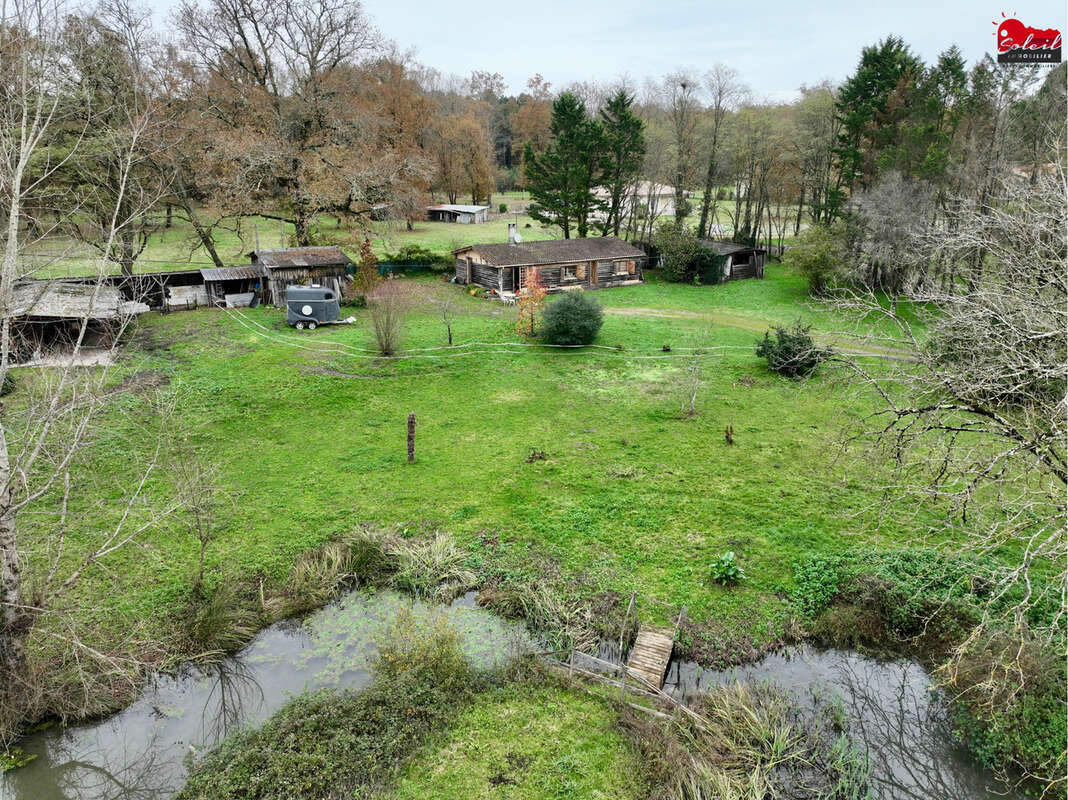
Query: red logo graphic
x: 1017, y: 42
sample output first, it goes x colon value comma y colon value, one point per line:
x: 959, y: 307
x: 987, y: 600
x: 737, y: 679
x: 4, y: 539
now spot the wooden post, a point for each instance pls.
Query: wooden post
x: 571, y: 667
x: 411, y: 437
x: 622, y: 661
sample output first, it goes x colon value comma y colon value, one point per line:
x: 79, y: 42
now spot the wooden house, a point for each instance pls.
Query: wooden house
x: 560, y: 265
x: 307, y: 266
x: 451, y: 212
x: 742, y: 261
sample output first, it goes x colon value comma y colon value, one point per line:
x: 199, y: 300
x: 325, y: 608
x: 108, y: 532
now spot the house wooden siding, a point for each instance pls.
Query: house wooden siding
x: 508, y: 280
x: 322, y: 266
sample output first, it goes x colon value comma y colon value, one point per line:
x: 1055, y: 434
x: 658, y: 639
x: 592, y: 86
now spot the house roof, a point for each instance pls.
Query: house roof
x: 63, y: 299
x: 729, y: 248
x: 291, y: 257
x: 554, y: 251
x: 457, y: 209
x: 231, y: 273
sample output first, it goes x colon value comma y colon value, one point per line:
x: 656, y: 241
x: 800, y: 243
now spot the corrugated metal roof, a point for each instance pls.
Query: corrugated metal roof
x: 554, y: 251
x: 63, y: 299
x: 231, y: 273
x: 331, y: 256
x: 459, y: 209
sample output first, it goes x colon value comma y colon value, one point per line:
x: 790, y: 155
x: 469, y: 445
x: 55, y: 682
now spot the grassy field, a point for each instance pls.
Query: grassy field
x: 308, y: 431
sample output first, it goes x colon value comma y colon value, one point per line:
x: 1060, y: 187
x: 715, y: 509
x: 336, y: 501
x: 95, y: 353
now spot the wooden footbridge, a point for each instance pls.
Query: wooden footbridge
x: 641, y: 674
x: 650, y: 655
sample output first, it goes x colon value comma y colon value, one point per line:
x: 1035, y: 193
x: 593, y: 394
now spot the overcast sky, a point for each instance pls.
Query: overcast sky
x: 776, y: 45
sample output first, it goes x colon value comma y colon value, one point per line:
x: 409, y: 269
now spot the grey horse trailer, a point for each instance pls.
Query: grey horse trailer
x: 311, y: 306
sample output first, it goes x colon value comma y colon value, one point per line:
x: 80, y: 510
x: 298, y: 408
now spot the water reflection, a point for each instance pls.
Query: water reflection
x: 141, y: 753
x: 892, y: 711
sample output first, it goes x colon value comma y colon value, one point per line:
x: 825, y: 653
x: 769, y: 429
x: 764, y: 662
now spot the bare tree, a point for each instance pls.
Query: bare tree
x: 976, y: 421
x: 46, y: 433
x: 389, y: 305
x: 725, y: 90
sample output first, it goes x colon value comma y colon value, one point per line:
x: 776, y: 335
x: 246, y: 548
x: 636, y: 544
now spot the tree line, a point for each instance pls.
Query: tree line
x: 301, y: 111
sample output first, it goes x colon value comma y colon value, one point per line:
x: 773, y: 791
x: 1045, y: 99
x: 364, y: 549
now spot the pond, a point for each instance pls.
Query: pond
x: 142, y: 752
x: 893, y: 710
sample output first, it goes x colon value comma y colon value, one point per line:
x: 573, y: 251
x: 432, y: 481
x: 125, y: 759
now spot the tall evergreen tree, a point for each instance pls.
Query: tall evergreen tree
x: 624, y: 140
x: 561, y: 179
x: 870, y: 122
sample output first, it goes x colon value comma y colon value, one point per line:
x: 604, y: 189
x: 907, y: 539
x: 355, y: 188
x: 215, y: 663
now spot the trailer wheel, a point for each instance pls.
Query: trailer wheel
x: 298, y: 325
x: 312, y: 324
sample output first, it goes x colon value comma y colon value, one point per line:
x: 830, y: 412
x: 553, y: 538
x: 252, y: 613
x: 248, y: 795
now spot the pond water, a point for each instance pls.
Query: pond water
x: 141, y: 752
x: 894, y: 713
x: 893, y: 710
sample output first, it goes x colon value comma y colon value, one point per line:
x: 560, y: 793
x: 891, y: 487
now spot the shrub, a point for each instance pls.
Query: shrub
x: 573, y: 319
x: 414, y: 255
x: 791, y: 351
x: 677, y: 247
x: 725, y: 570
x: 818, y: 255
x: 503, y: 208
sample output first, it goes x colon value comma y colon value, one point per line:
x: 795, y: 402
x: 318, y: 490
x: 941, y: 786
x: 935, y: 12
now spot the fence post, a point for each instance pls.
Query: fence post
x: 622, y: 661
x: 411, y: 437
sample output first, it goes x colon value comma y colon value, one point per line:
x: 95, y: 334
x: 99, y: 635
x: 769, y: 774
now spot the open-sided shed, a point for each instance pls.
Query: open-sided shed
x: 50, y: 314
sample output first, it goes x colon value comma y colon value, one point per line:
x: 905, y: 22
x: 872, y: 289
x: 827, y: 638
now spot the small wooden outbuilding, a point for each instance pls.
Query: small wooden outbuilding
x: 561, y: 265
x: 49, y: 315
x: 742, y: 261
x: 306, y: 266
x: 451, y: 212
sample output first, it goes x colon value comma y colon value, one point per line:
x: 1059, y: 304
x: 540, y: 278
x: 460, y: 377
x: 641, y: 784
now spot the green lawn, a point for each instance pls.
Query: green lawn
x: 310, y: 442
x: 527, y: 743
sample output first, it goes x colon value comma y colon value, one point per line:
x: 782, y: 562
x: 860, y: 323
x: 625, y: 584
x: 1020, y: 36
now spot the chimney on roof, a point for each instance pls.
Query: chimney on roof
x: 512, y: 239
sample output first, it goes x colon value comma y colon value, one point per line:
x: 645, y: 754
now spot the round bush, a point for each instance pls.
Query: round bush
x: 572, y: 319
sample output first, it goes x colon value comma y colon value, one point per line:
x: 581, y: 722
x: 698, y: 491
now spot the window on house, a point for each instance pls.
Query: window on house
x: 568, y: 273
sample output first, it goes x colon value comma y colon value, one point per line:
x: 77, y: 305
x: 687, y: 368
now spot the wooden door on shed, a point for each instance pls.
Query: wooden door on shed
x: 592, y: 269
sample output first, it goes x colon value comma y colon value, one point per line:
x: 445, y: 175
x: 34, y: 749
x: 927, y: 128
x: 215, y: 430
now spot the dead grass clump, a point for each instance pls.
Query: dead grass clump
x: 218, y: 620
x: 433, y: 568
x: 755, y: 745
x: 565, y: 621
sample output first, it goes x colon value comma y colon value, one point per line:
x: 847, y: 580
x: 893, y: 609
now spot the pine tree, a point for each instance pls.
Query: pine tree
x: 561, y: 179
x: 870, y: 121
x: 624, y: 138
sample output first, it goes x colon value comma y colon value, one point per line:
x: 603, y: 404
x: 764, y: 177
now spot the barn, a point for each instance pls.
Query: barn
x: 560, y: 265
x: 319, y: 266
x: 450, y: 212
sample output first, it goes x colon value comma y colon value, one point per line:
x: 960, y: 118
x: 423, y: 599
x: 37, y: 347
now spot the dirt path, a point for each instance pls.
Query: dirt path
x: 842, y: 342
